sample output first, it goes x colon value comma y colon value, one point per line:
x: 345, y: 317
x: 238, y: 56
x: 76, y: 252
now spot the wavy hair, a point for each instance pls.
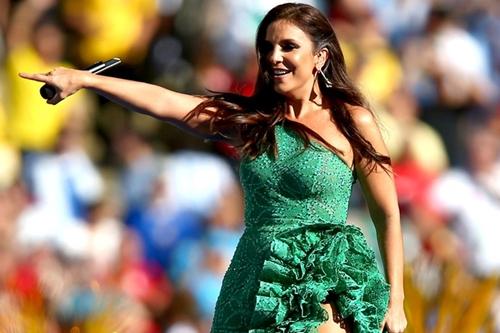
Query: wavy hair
x: 251, y: 120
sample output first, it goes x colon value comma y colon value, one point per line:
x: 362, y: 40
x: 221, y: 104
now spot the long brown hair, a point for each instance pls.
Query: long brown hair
x: 251, y: 120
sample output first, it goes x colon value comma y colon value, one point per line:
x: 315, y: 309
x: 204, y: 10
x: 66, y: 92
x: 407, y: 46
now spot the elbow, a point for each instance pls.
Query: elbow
x: 158, y: 106
x: 157, y: 110
x: 383, y: 218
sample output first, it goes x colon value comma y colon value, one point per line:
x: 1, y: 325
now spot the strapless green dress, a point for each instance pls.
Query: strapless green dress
x: 297, y: 250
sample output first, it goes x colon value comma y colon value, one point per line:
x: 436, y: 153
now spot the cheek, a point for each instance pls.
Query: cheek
x: 298, y: 59
x: 303, y: 61
x: 305, y: 66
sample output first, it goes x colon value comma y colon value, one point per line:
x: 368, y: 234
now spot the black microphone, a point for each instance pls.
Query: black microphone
x: 48, y: 92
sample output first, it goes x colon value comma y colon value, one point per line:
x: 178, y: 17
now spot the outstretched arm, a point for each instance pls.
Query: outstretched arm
x: 380, y: 193
x: 137, y: 96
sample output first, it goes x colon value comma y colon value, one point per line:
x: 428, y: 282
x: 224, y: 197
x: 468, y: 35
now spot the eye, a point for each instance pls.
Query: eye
x: 289, y: 46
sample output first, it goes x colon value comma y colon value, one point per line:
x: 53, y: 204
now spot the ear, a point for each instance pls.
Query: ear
x: 321, y: 57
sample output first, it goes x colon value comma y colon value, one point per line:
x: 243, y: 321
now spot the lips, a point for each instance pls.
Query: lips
x: 279, y: 72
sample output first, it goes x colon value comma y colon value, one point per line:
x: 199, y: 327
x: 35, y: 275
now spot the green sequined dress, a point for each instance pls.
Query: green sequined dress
x: 297, y: 250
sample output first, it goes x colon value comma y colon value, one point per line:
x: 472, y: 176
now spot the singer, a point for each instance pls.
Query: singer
x: 305, y: 136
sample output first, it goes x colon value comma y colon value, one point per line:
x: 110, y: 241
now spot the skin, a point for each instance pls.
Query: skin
x: 288, y: 48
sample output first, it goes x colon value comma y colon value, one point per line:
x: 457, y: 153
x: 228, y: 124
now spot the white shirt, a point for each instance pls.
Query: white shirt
x: 477, y: 218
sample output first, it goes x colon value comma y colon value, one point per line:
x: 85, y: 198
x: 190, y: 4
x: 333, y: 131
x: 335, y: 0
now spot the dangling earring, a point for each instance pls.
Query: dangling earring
x: 328, y: 83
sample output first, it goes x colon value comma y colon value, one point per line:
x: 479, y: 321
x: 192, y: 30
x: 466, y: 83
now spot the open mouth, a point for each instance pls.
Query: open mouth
x: 279, y: 72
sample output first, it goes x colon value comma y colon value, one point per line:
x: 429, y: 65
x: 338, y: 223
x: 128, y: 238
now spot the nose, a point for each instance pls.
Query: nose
x: 275, y: 56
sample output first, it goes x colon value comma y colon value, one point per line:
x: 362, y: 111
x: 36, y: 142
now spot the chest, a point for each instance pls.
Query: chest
x: 297, y: 172
x: 331, y: 134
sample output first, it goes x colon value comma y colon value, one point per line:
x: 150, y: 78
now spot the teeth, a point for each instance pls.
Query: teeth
x: 280, y: 71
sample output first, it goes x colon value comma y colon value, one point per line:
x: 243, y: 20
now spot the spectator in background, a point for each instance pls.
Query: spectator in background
x: 412, y: 140
x: 65, y: 184
x: 35, y: 40
x: 4, y: 14
x: 3, y: 125
x: 467, y: 200
x: 185, y: 194
x: 401, y: 19
x: 482, y: 20
x: 371, y: 61
x: 139, y: 169
x: 419, y: 157
x: 111, y: 28
x: 106, y: 235
x: 452, y: 47
x: 13, y: 200
x: 59, y: 174
x: 210, y: 257
x: 448, y: 71
x: 4, y: 18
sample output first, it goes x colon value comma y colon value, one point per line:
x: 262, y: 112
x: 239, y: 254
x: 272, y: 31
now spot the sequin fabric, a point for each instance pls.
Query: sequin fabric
x: 297, y: 251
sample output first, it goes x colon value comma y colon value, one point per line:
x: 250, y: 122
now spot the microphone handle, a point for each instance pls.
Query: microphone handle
x: 48, y: 92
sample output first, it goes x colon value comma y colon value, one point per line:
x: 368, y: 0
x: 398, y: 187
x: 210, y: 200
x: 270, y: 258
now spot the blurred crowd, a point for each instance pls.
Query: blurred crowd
x: 115, y: 222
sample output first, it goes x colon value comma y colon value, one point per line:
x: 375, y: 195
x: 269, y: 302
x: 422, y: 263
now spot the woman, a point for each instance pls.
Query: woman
x: 304, y: 136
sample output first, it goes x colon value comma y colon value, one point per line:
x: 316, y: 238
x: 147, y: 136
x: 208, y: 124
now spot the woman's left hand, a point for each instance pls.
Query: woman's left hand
x: 395, y: 319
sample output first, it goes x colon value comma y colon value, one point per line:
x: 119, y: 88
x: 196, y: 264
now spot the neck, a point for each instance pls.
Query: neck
x: 301, y: 106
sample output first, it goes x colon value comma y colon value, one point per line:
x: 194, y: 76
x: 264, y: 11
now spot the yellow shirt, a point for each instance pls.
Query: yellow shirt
x: 3, y: 122
x: 113, y: 25
x: 380, y: 75
x: 30, y: 122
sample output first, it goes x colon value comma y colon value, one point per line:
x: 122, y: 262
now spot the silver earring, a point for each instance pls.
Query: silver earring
x: 328, y: 83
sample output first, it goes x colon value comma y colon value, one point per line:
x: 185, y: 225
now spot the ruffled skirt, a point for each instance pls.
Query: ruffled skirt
x: 277, y: 281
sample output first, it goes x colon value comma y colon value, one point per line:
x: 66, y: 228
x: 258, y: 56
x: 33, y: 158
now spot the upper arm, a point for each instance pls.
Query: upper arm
x: 176, y: 107
x: 376, y: 182
x: 158, y: 102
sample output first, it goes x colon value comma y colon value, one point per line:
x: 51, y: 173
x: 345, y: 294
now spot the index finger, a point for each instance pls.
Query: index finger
x: 35, y: 77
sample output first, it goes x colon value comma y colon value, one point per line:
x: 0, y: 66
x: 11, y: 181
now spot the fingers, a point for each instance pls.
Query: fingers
x: 386, y: 329
x: 56, y: 99
x: 46, y: 78
x: 35, y: 77
x: 382, y: 326
x: 57, y: 78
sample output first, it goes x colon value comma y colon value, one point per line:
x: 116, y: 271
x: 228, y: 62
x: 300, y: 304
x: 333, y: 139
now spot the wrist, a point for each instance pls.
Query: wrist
x: 87, y: 80
x: 396, y: 299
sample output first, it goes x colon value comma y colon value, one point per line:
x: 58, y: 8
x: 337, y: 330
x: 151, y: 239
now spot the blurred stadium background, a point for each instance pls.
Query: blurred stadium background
x: 115, y: 222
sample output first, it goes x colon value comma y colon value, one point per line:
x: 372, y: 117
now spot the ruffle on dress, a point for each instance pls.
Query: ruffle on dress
x: 308, y: 264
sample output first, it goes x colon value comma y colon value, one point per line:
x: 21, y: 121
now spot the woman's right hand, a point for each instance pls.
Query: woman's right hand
x: 66, y: 81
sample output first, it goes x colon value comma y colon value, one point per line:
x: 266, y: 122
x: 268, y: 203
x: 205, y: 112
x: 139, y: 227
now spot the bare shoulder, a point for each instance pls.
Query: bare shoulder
x: 364, y: 120
x: 366, y: 124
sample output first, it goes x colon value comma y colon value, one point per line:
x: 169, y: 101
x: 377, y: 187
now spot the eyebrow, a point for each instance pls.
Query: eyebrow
x: 288, y: 40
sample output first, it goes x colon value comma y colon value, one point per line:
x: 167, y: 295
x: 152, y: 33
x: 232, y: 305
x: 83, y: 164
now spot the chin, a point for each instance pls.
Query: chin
x: 289, y: 94
x: 282, y: 90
